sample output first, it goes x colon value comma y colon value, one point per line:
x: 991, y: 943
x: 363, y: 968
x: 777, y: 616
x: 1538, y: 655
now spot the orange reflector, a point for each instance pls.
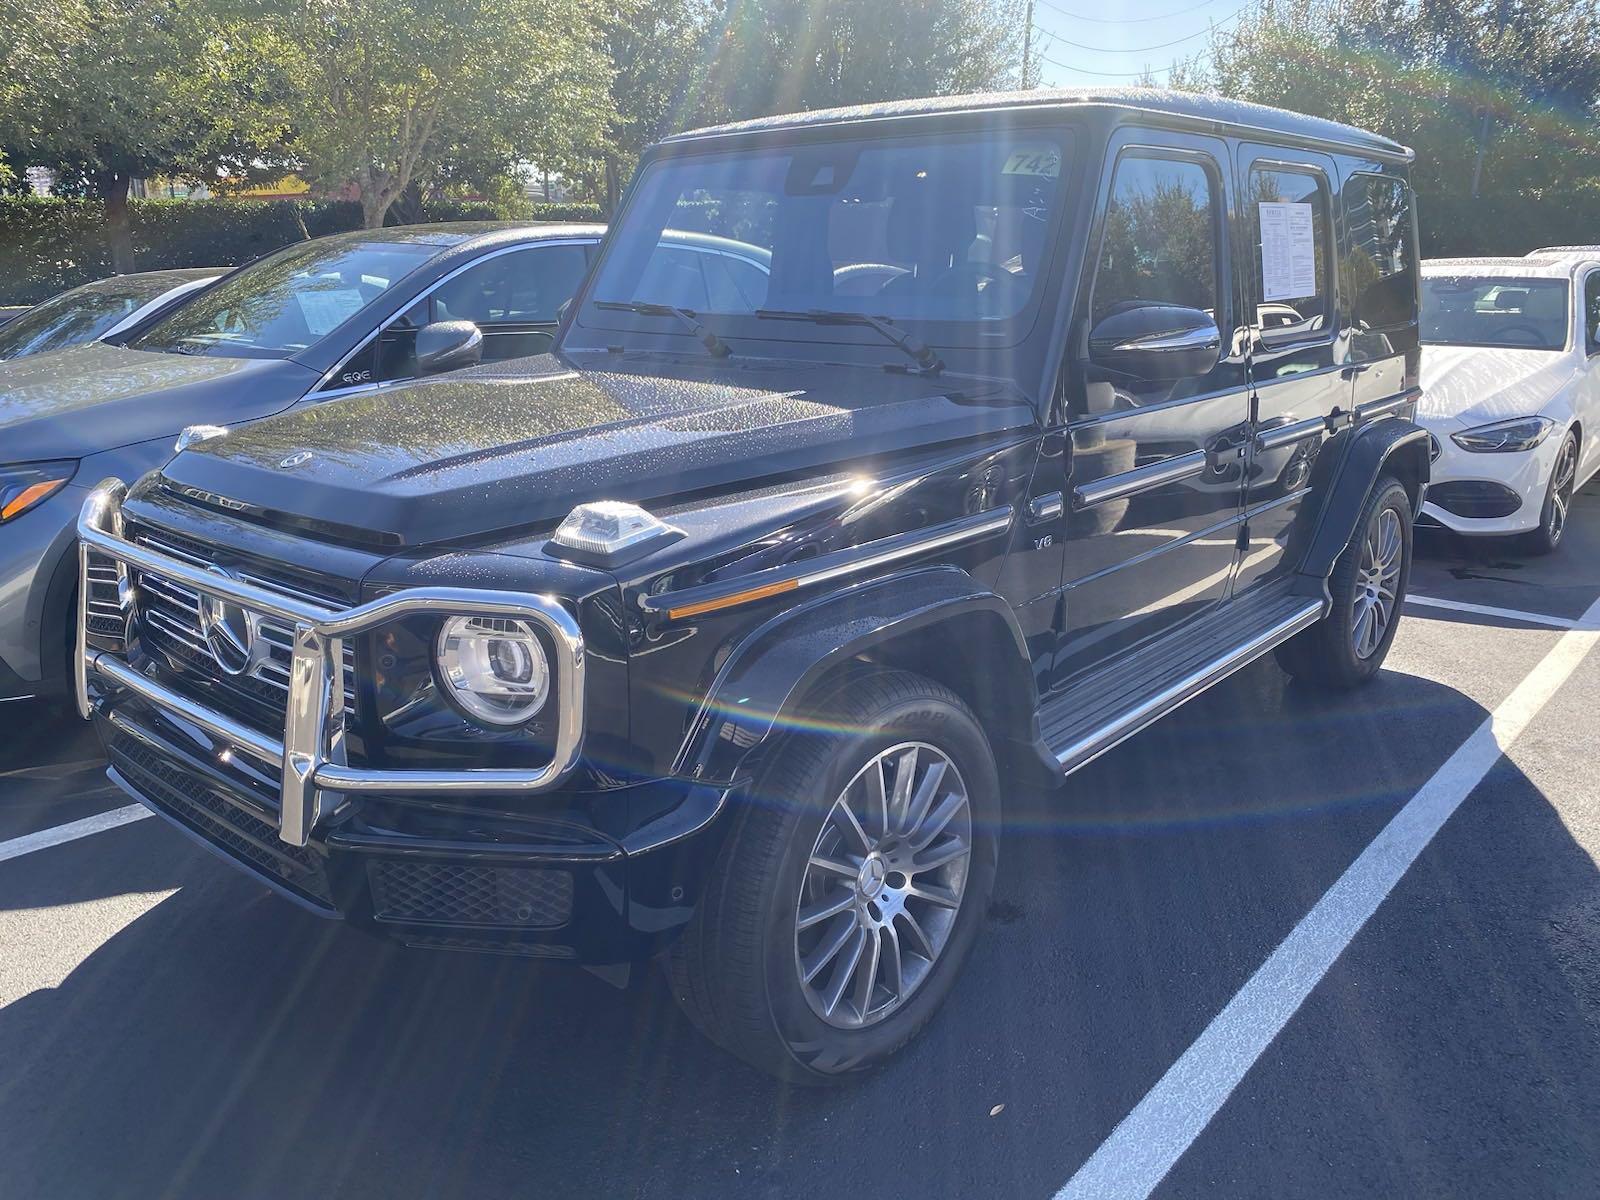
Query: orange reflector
x: 760, y: 593
x: 28, y: 497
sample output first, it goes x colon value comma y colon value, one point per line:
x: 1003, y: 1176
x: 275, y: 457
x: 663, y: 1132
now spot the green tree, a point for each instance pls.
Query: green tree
x: 788, y: 55
x: 387, y: 93
x: 106, y: 91
x: 661, y: 52
x: 1497, y: 98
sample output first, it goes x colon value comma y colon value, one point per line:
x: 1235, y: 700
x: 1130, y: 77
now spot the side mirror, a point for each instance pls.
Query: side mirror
x: 448, y: 346
x: 1156, y: 343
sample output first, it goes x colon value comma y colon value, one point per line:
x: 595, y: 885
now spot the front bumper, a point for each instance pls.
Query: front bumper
x: 549, y: 883
x: 1526, y: 473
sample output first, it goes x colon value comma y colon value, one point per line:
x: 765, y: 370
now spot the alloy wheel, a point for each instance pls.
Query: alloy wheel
x: 1561, y: 479
x: 883, y: 886
x: 1377, y: 582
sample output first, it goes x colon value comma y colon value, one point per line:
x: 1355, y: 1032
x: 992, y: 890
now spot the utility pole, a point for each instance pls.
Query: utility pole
x: 1027, y: 42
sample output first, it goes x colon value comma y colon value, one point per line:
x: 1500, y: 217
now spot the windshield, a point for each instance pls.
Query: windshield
x: 914, y: 230
x: 80, y: 315
x: 285, y: 303
x: 1463, y: 310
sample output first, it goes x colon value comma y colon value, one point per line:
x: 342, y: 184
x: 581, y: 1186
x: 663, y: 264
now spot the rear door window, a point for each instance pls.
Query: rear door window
x: 1288, y: 210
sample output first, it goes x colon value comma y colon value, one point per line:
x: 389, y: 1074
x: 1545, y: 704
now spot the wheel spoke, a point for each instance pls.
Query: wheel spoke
x: 905, y: 775
x: 813, y: 914
x: 935, y: 822
x: 943, y: 897
x: 923, y: 800
x: 836, y: 866
x: 844, y: 817
x: 893, y: 969
x: 828, y: 949
x: 867, y: 972
x: 844, y: 972
x: 919, y: 938
x: 944, y: 853
x: 877, y: 799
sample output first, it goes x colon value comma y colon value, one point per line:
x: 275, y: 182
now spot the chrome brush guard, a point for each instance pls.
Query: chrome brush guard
x: 311, y: 755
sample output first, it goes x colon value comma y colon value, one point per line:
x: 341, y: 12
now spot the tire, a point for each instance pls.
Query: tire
x: 1557, y: 501
x: 1328, y: 653
x: 738, y: 970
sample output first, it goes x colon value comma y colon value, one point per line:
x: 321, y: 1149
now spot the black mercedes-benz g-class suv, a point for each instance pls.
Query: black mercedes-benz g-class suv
x: 999, y: 427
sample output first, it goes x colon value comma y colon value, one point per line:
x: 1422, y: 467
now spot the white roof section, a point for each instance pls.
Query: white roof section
x: 1554, y: 267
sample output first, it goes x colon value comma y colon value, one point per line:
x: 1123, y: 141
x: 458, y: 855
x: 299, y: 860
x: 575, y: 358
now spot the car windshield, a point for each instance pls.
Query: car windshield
x: 952, y: 230
x: 1466, y: 310
x: 80, y: 315
x: 285, y: 303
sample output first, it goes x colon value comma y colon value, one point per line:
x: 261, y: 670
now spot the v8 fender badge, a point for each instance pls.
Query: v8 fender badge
x: 295, y: 460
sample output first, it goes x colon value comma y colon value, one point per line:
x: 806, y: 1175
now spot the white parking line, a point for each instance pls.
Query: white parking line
x: 72, y: 831
x: 1163, y: 1125
x: 1489, y: 610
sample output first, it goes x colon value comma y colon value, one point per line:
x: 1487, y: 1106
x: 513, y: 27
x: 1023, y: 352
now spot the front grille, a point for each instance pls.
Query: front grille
x: 169, y: 616
x: 469, y: 894
x: 224, y: 823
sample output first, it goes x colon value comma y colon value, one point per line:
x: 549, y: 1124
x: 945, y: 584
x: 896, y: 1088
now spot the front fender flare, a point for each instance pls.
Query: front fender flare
x: 754, y: 694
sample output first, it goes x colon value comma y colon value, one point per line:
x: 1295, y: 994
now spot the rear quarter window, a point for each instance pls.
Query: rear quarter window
x: 1380, y: 269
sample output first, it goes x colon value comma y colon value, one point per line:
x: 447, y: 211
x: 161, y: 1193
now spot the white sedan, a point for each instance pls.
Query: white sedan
x: 1510, y: 392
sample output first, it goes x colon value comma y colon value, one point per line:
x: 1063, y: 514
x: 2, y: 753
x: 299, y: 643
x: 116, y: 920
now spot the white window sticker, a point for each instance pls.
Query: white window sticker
x: 1288, y: 251
x: 324, y: 310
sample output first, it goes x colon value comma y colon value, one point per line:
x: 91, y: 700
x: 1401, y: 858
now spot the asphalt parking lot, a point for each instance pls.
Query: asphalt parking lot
x: 1231, y: 958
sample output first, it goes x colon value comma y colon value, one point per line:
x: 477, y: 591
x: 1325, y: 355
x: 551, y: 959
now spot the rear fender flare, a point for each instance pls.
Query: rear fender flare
x: 756, y: 694
x: 1346, y: 471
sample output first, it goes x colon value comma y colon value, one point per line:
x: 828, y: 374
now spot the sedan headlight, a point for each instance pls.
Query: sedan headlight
x: 494, y: 668
x: 30, y: 484
x: 1520, y: 433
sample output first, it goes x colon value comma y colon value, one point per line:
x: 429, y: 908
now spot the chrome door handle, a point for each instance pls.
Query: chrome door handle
x: 1045, y: 508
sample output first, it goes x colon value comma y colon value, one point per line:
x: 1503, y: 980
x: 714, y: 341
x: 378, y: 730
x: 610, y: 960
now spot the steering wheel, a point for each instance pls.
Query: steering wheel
x: 1535, y: 337
x: 865, y: 279
x: 969, y: 278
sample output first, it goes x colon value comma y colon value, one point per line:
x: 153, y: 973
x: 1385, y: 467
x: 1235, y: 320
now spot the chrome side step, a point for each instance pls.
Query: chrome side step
x: 1116, y: 701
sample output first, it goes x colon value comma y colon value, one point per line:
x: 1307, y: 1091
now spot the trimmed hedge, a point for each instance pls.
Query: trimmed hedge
x: 49, y: 244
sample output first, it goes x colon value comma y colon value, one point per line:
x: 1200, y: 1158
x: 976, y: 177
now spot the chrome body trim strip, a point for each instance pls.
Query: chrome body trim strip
x: 1287, y: 435
x: 1092, y: 745
x: 311, y: 755
x: 1171, y: 343
x: 1382, y: 408
x: 850, y: 561
x: 1140, y: 479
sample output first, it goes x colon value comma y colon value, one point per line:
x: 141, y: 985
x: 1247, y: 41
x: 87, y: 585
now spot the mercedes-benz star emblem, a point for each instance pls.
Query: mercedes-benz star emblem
x: 232, y: 633
x: 294, y: 460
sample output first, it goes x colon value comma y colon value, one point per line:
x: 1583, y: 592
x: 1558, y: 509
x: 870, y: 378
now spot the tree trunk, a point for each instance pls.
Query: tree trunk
x: 375, y: 203
x: 613, y: 187
x: 117, y: 232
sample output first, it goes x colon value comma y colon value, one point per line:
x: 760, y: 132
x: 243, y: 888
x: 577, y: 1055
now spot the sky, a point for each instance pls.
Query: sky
x: 1109, y: 42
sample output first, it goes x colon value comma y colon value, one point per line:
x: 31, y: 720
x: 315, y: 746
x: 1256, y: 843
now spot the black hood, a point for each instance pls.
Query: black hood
x: 75, y: 402
x: 487, y: 451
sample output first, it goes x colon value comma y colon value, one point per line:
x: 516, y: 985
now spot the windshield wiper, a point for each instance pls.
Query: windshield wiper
x: 718, y: 347
x: 928, y: 363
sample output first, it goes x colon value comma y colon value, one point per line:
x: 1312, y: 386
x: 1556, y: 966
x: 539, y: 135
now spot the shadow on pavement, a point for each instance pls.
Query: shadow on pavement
x: 225, y: 1043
